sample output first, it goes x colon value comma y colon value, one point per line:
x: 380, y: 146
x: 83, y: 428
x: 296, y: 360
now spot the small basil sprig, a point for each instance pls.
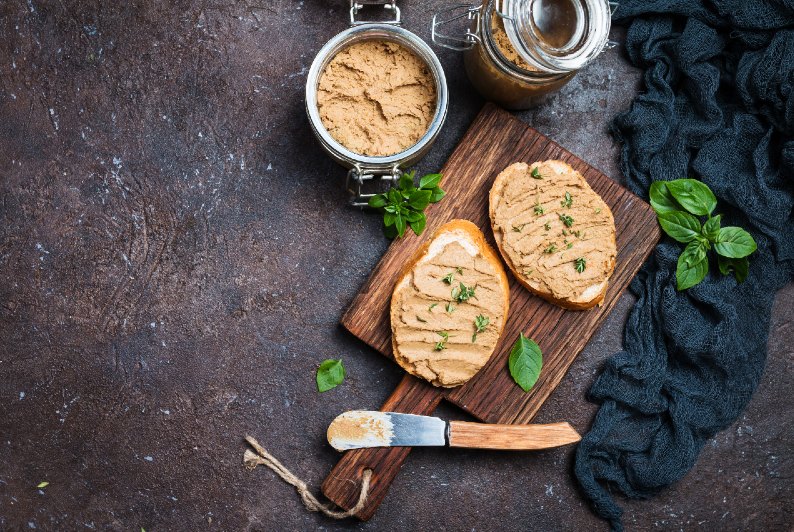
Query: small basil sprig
x: 678, y: 204
x: 404, y: 204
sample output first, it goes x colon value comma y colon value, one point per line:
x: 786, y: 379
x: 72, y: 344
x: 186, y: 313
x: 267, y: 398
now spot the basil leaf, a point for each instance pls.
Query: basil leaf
x: 712, y: 228
x: 394, y: 196
x: 692, y: 266
x: 693, y: 195
x: 694, y: 252
x: 413, y: 216
x: 661, y: 199
x: 437, y: 195
x: 406, y: 182
x: 739, y: 267
x: 389, y: 218
x: 680, y: 225
x: 525, y: 362
x: 419, y: 199
x: 430, y: 181
x: 330, y: 374
x: 419, y: 225
x: 390, y: 232
x: 734, y: 242
x: 378, y: 201
x: 399, y: 224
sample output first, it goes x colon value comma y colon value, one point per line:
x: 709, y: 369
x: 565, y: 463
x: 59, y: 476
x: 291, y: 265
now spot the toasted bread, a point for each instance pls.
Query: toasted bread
x: 453, y: 283
x: 554, y: 232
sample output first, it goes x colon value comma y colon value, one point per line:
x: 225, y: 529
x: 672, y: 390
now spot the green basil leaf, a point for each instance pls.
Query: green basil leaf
x: 661, y: 199
x: 437, y: 195
x: 693, y: 195
x: 413, y: 216
x: 390, y: 232
x: 705, y: 241
x: 680, y: 225
x: 739, y: 267
x: 389, y: 218
x: 390, y: 208
x: 419, y: 225
x: 694, y: 253
x: 378, y: 201
x: 734, y: 242
x: 399, y: 224
x: 692, y: 266
x: 712, y: 228
x: 406, y: 183
x: 330, y: 374
x: 525, y: 362
x: 395, y: 197
x: 419, y: 199
x: 430, y: 181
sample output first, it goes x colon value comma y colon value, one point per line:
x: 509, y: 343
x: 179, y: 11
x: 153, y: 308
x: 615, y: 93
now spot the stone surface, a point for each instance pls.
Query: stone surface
x: 175, y: 253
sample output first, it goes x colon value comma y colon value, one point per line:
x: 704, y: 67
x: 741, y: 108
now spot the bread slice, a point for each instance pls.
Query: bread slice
x: 555, y: 233
x: 434, y: 316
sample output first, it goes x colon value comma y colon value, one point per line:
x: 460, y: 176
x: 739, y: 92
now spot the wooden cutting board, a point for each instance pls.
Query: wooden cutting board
x: 495, y: 140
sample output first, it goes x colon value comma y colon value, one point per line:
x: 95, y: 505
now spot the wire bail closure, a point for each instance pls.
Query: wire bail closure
x: 453, y: 14
x: 472, y: 35
x: 358, y: 176
x: 389, y: 5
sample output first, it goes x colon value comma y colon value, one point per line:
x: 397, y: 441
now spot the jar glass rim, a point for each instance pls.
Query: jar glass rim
x: 590, y: 21
x: 372, y: 32
x: 496, y: 54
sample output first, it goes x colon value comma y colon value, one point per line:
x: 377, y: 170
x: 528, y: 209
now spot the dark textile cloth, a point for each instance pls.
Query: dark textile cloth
x: 718, y: 105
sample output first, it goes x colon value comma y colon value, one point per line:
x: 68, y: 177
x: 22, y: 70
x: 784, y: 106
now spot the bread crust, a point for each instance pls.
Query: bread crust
x: 571, y: 304
x: 473, y: 232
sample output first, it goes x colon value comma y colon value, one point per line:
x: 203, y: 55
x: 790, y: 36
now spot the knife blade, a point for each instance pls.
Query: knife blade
x: 357, y: 429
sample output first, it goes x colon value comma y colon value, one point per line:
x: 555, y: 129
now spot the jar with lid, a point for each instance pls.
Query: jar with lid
x: 516, y: 52
x: 370, y: 173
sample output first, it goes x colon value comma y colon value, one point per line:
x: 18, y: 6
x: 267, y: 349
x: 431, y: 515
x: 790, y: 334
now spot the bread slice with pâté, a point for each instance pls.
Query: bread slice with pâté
x: 449, y: 306
x: 554, y: 232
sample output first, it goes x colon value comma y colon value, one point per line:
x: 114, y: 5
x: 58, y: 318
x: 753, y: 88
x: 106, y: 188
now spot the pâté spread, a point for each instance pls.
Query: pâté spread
x: 376, y: 98
x: 435, y: 314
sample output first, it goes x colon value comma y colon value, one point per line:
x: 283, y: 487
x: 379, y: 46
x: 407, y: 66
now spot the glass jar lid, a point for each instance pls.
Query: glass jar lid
x: 556, y: 35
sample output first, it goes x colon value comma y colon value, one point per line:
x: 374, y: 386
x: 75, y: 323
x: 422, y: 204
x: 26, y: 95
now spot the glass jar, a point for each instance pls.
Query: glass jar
x: 516, y: 52
x: 369, y: 174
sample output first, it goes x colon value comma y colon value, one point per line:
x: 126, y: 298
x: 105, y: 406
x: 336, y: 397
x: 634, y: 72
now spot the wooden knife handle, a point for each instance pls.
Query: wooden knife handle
x: 510, y: 437
x: 343, y: 484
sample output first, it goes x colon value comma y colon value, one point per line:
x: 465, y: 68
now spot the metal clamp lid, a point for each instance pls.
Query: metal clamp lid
x: 389, y: 5
x: 358, y: 176
x: 453, y: 14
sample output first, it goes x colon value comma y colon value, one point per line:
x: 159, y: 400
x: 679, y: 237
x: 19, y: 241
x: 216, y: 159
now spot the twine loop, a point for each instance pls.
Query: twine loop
x: 252, y: 459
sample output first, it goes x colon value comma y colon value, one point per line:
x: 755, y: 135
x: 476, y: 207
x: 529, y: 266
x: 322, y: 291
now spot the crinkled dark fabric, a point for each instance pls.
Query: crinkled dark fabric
x: 718, y: 105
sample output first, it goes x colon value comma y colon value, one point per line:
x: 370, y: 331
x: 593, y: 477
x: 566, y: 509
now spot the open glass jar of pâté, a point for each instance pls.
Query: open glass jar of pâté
x: 376, y: 97
x: 516, y: 52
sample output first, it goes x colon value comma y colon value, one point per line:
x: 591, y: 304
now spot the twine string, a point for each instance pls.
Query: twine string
x: 252, y: 459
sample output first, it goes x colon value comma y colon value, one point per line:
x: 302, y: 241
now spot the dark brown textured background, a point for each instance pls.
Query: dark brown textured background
x: 175, y: 254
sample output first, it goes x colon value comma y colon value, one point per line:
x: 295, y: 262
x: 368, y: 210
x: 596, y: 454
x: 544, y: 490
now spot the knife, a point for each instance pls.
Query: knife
x: 365, y: 428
